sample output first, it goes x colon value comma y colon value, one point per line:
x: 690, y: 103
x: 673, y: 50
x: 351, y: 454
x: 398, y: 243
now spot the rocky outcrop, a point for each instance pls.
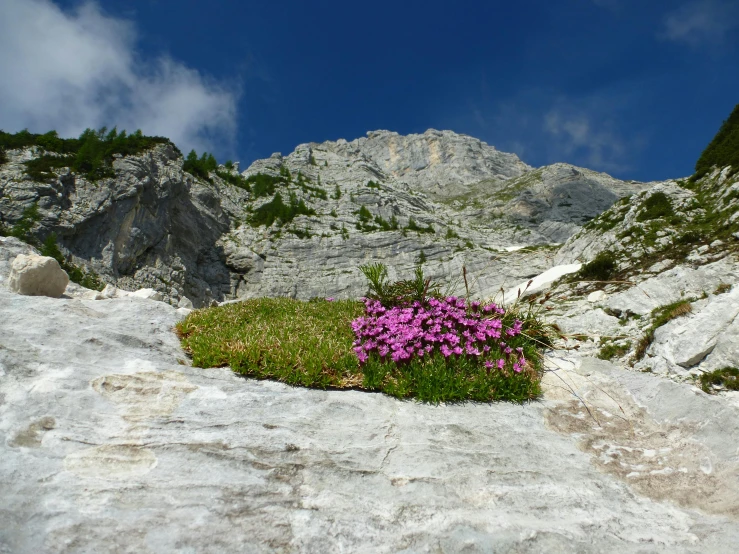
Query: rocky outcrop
x: 110, y: 441
x: 447, y: 198
x: 37, y: 276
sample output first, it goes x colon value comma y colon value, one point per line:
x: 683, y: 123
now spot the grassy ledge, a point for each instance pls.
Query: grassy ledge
x: 315, y: 344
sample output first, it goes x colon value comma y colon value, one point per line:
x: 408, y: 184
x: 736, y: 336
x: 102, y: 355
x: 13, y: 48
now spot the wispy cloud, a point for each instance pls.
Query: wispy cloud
x: 584, y: 134
x: 71, y: 70
x: 701, y: 21
x: 544, y: 128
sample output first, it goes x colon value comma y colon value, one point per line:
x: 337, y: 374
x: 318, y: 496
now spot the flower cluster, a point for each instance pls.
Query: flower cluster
x: 448, y: 325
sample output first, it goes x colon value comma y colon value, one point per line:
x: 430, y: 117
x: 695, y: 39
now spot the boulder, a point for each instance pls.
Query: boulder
x: 149, y: 294
x: 34, y: 275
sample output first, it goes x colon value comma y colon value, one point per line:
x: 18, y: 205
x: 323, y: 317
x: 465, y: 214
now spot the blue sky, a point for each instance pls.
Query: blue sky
x: 631, y: 87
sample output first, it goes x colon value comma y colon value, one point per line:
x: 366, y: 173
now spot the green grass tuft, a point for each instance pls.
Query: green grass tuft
x: 727, y: 377
x: 661, y: 316
x: 299, y: 343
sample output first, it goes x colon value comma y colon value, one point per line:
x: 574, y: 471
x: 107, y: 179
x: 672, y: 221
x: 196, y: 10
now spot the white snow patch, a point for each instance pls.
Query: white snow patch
x: 540, y: 281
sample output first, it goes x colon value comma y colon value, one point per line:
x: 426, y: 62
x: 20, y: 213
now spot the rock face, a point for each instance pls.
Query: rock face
x: 37, y: 276
x: 109, y: 441
x: 154, y: 226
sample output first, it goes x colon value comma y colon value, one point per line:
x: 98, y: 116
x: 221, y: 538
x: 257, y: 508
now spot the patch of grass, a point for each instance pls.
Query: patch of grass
x: 656, y: 206
x: 610, y: 350
x: 601, y: 268
x: 661, y: 316
x: 727, y: 377
x: 300, y: 233
x: 310, y: 344
x: 722, y: 288
x: 451, y: 234
x: 296, y: 342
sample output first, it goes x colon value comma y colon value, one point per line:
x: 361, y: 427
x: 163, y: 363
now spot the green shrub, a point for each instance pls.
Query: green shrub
x: 22, y: 229
x: 337, y: 193
x: 601, y: 268
x: 235, y: 180
x: 451, y: 234
x: 263, y: 185
x: 200, y: 167
x: 689, y: 237
x: 277, y: 210
x: 364, y: 214
x: 413, y: 226
x: 656, y: 206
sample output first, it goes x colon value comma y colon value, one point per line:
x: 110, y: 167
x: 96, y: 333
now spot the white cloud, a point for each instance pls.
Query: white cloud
x: 583, y: 134
x: 72, y: 70
x: 701, y: 21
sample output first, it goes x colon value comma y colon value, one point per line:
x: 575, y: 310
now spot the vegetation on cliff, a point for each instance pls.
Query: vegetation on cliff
x: 90, y: 155
x: 723, y: 150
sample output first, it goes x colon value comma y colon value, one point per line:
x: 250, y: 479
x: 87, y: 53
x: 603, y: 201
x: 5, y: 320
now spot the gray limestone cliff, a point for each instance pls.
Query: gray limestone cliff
x: 447, y: 198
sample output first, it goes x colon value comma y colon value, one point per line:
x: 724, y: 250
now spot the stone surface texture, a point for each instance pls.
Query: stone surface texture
x: 108, y: 443
x: 37, y: 276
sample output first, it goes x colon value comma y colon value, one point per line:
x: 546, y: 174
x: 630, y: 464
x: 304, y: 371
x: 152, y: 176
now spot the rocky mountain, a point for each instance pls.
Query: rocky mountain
x: 111, y: 441
x: 207, y: 236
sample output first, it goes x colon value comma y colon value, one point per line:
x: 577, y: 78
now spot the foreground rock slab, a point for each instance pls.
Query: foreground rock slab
x: 108, y: 443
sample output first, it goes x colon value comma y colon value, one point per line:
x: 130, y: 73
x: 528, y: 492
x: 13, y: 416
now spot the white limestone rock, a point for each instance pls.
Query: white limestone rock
x: 149, y: 294
x: 597, y: 296
x: 37, y: 276
x: 704, y: 340
x: 108, y: 437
